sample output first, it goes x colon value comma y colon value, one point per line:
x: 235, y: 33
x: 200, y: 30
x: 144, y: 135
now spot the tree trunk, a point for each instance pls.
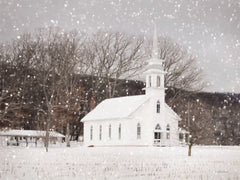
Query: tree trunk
x: 68, y: 135
x: 47, y: 135
x: 189, y: 149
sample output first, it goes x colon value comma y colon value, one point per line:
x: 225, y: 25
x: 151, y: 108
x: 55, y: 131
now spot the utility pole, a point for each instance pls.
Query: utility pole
x: 188, y: 118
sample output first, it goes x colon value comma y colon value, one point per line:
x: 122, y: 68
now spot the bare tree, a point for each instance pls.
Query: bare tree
x: 17, y: 79
x: 107, y: 57
x: 58, y: 63
x: 110, y: 56
x: 43, y: 65
x: 200, y: 129
x: 197, y: 118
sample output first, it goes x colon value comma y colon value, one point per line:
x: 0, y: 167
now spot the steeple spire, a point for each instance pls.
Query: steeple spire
x: 155, y: 43
x: 155, y: 62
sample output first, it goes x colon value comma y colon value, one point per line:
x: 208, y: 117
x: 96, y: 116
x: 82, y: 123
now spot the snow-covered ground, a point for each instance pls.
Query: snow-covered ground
x: 119, y: 163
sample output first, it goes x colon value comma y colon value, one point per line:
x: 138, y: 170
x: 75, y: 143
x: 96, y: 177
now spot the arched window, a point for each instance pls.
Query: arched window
x: 158, y: 81
x: 138, y: 131
x: 157, y: 133
x: 119, y: 132
x: 91, y: 132
x: 168, y: 131
x: 158, y: 127
x: 109, y: 131
x: 168, y: 127
x: 100, y: 132
x: 181, y: 137
x: 158, y: 107
x: 150, y: 81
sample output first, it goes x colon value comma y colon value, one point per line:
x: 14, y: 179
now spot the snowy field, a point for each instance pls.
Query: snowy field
x: 119, y: 163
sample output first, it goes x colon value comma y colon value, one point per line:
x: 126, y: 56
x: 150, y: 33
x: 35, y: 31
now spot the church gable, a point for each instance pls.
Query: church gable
x: 170, y: 112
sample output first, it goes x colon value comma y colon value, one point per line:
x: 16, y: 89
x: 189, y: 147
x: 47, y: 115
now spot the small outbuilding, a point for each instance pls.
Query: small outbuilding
x: 17, y: 137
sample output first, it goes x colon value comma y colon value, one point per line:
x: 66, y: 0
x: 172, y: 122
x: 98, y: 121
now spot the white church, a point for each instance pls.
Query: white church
x: 142, y: 120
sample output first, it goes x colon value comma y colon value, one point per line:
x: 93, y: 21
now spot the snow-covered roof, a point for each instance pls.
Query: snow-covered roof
x: 116, y: 108
x: 30, y: 133
x: 172, y: 112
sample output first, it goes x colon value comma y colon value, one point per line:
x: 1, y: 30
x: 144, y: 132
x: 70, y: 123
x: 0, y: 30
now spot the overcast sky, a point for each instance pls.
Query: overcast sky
x: 210, y: 29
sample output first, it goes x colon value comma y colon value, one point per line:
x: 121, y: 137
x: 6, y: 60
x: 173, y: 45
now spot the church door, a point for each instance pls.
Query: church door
x: 157, y: 135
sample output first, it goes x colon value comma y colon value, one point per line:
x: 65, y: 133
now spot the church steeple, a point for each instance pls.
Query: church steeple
x: 154, y: 71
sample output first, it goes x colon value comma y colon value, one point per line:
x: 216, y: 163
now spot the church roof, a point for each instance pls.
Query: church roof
x: 116, y: 108
x: 172, y: 112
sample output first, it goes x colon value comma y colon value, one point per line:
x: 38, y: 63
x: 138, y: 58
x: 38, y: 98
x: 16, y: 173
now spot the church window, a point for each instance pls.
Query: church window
x: 158, y: 107
x: 150, y: 81
x: 138, y: 131
x: 168, y: 132
x: 119, y: 131
x: 181, y: 137
x: 91, y: 133
x: 158, y: 81
x: 168, y: 135
x: 158, y: 127
x: 168, y: 128
x: 110, y: 132
x: 100, y: 132
x: 157, y: 133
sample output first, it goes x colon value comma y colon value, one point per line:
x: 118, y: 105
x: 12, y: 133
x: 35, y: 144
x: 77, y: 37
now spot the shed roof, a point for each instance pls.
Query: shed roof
x: 30, y: 133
